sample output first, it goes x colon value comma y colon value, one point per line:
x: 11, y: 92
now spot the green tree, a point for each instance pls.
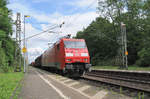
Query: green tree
x: 100, y: 40
x: 7, y: 47
x: 101, y: 35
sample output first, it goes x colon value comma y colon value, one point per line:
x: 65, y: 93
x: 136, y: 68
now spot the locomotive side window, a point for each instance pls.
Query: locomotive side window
x: 58, y: 47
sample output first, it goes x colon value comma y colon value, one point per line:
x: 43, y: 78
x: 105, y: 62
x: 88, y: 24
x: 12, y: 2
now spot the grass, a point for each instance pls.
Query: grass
x: 136, y: 68
x: 8, y: 83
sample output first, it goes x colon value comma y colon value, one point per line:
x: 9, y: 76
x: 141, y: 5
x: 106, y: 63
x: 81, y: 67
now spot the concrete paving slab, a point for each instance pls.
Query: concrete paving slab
x: 35, y: 88
x: 74, y: 83
x: 84, y: 88
x: 100, y: 95
x: 56, y: 86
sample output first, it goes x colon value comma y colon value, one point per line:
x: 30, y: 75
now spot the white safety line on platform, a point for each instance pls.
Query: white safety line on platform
x: 58, y: 77
x: 74, y: 83
x: 71, y: 88
x: 66, y: 80
x: 84, y: 88
x: 100, y: 95
x: 56, y: 89
x: 63, y: 78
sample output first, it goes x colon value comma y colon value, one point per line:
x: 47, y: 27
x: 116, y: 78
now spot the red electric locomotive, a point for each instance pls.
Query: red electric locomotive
x: 37, y: 62
x: 70, y: 56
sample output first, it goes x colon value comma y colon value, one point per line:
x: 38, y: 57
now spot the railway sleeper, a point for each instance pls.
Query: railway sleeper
x: 120, y: 78
x: 136, y: 76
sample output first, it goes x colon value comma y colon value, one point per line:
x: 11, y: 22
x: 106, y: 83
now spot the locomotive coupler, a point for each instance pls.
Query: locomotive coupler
x: 88, y: 67
x: 69, y: 66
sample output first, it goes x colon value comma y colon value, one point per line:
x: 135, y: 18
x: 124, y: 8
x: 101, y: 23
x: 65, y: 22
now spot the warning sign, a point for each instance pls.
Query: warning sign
x: 126, y: 53
x: 24, y: 50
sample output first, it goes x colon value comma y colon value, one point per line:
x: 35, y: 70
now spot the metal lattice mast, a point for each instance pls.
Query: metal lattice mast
x: 119, y: 54
x: 18, y: 44
x: 125, y: 49
x: 121, y: 58
x: 124, y: 46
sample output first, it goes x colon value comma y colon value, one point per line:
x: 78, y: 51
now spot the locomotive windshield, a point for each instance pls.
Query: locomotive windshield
x: 74, y: 44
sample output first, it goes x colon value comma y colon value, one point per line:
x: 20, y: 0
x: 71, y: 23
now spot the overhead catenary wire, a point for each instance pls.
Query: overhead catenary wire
x: 75, y: 18
x: 48, y: 30
x: 89, y: 6
x: 40, y: 34
x: 41, y: 23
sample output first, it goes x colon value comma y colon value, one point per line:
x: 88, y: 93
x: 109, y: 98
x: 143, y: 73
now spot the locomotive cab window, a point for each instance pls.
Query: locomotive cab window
x: 74, y: 44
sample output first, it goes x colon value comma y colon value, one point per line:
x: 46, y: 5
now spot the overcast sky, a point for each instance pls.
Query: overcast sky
x: 77, y: 14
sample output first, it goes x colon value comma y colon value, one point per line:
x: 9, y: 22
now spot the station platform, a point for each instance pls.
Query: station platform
x: 41, y: 84
x: 38, y: 86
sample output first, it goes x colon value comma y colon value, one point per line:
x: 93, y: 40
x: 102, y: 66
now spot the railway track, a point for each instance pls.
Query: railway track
x: 116, y: 81
x: 130, y: 79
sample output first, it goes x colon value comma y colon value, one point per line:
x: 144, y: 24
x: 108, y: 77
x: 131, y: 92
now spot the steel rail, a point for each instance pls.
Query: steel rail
x: 119, y: 78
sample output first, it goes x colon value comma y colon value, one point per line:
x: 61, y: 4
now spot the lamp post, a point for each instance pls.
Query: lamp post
x: 24, y: 44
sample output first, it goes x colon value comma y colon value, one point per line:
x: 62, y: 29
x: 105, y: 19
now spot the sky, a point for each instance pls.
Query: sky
x: 45, y: 14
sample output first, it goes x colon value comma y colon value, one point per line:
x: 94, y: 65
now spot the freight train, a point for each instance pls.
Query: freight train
x: 68, y: 56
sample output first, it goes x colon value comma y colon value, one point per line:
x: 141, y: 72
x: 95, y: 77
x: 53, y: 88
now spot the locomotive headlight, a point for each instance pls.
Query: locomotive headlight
x: 84, y: 54
x: 68, y: 60
x: 69, y: 54
x: 86, y: 59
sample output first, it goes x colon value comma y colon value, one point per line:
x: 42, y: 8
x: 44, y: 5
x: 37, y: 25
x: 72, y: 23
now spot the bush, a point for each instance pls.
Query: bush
x: 3, y: 61
x: 5, y: 68
x: 103, y: 61
x: 144, y: 57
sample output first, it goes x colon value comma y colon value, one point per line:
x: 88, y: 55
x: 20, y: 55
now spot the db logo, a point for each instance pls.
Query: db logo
x: 77, y: 54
